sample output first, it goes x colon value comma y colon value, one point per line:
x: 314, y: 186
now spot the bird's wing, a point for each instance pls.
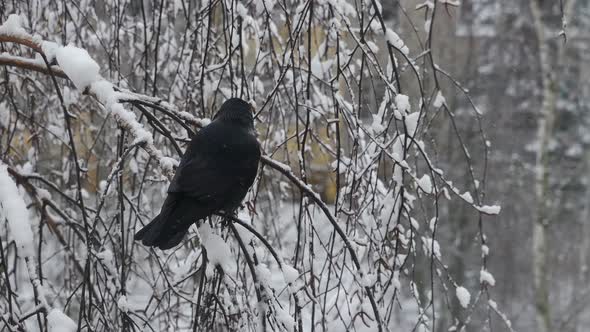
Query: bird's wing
x: 208, y: 173
x: 250, y: 164
x: 197, y: 178
x: 197, y: 174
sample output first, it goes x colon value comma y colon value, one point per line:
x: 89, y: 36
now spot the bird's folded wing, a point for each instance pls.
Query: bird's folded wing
x: 200, y: 179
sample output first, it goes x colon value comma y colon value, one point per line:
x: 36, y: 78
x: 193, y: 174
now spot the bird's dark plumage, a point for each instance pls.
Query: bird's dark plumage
x: 215, y: 173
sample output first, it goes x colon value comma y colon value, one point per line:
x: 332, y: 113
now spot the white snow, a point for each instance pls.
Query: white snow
x: 395, y: 40
x: 485, y: 250
x: 26, y: 169
x: 13, y: 27
x: 489, y: 209
x: 439, y: 100
x: 106, y: 256
x: 264, y: 275
x: 218, y: 251
x: 283, y: 167
x: 428, y: 4
x: 411, y: 121
x: 57, y: 321
x: 122, y: 304
x: 290, y: 274
x: 432, y: 223
x: 427, y: 25
x: 455, y: 3
x: 43, y: 194
x: 402, y: 102
x: 78, y: 65
x: 486, y: 278
x: 414, y: 223
x: 166, y: 163
x: 202, y: 122
x: 425, y: 183
x: 463, y: 296
x: 133, y: 167
x: 13, y: 207
x: 129, y: 119
x: 373, y: 47
x: 466, y: 196
x: 320, y: 68
x: 574, y: 150
x: 368, y: 279
x: 395, y: 280
x: 283, y: 317
x: 493, y: 304
x: 103, y: 91
x: 429, y: 244
x: 244, y: 233
x: 4, y: 115
x: 376, y: 125
x: 50, y: 49
x: 397, y: 114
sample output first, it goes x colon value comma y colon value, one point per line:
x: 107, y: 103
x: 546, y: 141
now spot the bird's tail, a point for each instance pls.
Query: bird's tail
x: 163, y: 232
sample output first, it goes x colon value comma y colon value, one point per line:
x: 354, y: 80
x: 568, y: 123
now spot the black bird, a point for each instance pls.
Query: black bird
x: 214, y: 174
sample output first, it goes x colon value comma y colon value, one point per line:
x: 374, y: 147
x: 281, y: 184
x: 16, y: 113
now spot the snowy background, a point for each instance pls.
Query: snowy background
x: 425, y: 165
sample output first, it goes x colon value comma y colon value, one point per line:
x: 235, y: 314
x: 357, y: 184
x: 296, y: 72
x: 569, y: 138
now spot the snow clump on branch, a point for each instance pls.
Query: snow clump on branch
x: 13, y: 27
x: 13, y: 208
x: 78, y: 65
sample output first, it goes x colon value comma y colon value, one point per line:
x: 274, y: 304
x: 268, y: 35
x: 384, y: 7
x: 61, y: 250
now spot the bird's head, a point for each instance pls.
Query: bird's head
x: 236, y: 110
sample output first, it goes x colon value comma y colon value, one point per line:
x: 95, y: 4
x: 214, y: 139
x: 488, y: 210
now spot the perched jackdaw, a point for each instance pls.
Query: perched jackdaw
x: 215, y: 173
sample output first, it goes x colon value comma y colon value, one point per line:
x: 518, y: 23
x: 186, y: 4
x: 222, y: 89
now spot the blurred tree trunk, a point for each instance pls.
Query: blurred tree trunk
x: 545, y: 129
x: 580, y: 292
x: 550, y: 78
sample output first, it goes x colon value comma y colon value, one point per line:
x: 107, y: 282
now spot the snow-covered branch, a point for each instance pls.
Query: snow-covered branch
x: 77, y: 65
x: 14, y: 209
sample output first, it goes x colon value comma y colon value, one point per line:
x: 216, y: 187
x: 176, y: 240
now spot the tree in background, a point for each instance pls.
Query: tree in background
x: 494, y: 49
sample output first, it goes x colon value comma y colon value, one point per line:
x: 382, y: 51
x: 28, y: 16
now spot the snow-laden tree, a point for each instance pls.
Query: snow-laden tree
x: 339, y: 232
